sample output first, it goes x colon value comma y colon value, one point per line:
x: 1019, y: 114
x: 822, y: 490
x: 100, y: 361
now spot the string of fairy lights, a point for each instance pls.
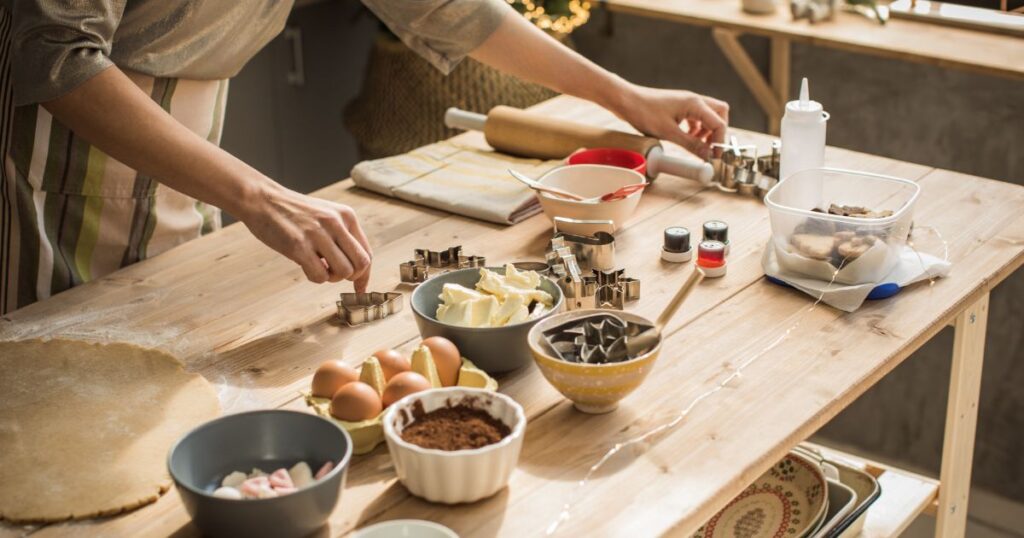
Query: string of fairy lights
x: 556, y: 16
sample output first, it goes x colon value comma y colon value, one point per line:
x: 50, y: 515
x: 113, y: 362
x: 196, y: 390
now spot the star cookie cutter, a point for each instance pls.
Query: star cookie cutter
x: 359, y: 308
x: 615, y: 289
x: 597, y: 339
x: 590, y: 289
x: 424, y: 261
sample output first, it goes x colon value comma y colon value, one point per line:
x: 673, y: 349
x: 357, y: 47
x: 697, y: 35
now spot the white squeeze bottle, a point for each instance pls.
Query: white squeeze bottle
x: 803, y: 135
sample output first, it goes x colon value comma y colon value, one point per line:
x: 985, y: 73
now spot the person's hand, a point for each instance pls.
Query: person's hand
x: 660, y: 113
x: 323, y: 237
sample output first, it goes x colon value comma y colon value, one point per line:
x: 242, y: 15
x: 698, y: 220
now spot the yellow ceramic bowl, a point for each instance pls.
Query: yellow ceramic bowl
x: 593, y: 388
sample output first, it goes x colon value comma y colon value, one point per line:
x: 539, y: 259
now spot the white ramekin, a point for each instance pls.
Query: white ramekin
x: 458, y: 476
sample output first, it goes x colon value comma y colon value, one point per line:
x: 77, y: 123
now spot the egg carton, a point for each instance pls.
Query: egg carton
x: 359, y: 308
x: 367, y: 434
x: 426, y: 261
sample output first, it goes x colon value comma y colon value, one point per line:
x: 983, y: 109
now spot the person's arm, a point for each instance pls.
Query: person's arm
x: 519, y: 48
x: 112, y: 113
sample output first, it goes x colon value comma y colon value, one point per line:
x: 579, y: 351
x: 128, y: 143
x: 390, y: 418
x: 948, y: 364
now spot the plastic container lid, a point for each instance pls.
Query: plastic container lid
x: 907, y: 203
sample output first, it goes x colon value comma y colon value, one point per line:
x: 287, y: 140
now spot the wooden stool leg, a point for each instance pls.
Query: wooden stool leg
x: 961, y: 419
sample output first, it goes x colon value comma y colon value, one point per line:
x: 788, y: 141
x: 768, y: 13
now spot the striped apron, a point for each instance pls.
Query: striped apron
x: 70, y: 213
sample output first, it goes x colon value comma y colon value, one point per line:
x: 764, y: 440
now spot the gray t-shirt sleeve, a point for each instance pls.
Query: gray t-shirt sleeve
x: 57, y: 46
x: 441, y: 31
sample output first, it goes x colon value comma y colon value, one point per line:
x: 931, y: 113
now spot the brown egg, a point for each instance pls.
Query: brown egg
x: 446, y: 358
x: 356, y: 401
x: 331, y: 376
x: 402, y: 385
x: 392, y: 362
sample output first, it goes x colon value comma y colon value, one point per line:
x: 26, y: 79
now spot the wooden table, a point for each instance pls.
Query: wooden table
x: 971, y: 50
x: 247, y: 320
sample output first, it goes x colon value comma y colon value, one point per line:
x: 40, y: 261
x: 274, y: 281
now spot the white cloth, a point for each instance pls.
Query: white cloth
x: 465, y: 181
x: 911, y: 267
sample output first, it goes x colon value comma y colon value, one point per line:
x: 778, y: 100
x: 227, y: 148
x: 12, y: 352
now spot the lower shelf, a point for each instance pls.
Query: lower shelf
x: 905, y: 495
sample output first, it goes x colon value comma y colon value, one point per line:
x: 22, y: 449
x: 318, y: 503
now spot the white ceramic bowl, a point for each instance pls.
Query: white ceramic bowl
x: 406, y: 528
x: 590, y: 180
x: 458, y: 476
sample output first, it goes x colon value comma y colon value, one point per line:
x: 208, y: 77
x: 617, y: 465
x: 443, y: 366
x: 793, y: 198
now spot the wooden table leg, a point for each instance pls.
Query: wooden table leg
x: 779, y: 70
x: 961, y: 419
x: 771, y: 96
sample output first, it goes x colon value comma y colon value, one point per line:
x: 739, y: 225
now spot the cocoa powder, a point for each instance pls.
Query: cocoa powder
x: 457, y: 427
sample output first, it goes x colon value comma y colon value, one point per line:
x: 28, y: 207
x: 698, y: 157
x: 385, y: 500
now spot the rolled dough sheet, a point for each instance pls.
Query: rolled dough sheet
x: 85, y: 428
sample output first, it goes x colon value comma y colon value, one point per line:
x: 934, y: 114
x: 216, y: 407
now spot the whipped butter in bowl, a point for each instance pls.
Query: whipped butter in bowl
x: 486, y: 312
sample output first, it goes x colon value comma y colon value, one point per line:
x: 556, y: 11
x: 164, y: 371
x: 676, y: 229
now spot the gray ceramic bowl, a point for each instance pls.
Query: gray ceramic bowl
x: 493, y: 349
x: 269, y: 440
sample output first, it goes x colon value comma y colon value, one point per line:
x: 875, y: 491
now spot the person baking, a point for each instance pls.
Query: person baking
x: 111, y: 145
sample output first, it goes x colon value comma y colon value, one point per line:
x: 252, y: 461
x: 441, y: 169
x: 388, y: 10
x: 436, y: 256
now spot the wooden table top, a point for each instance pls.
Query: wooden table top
x: 247, y: 320
x: 971, y: 50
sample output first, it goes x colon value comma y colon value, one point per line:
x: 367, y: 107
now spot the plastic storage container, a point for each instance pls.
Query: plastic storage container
x: 854, y: 250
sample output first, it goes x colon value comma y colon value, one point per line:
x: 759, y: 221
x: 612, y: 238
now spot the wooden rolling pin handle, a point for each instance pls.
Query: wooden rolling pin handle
x: 659, y: 163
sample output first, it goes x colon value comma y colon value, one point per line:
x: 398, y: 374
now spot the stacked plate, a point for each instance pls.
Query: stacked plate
x: 803, y: 495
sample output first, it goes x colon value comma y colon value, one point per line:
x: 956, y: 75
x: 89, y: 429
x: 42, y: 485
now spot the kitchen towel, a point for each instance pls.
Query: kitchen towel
x: 911, y: 267
x: 456, y: 178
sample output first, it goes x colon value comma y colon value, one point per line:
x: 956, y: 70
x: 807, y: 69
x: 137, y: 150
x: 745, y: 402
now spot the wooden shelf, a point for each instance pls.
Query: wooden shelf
x: 905, y: 495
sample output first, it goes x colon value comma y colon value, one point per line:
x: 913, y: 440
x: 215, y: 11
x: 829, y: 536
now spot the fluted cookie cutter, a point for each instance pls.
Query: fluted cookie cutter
x: 359, y: 308
x: 768, y: 170
x: 592, y: 251
x: 424, y: 261
x: 735, y: 166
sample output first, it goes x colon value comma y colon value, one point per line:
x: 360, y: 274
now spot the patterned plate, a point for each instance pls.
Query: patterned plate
x: 784, y: 502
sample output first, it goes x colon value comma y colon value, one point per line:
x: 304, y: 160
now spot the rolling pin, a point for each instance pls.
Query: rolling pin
x: 527, y: 134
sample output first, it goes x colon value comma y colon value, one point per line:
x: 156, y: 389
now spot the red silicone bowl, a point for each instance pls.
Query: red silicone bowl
x: 623, y: 158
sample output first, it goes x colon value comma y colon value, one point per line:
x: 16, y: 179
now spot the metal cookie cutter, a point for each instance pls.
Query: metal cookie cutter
x: 590, y: 226
x: 419, y: 268
x: 359, y: 308
x: 768, y: 170
x: 592, y: 251
x: 579, y: 289
x: 597, y: 339
x: 614, y: 289
x: 735, y: 166
x: 591, y: 289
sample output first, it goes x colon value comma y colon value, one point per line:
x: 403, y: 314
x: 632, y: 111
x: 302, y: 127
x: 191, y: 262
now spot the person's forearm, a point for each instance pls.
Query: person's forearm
x: 539, y: 58
x: 113, y: 114
x: 693, y: 121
